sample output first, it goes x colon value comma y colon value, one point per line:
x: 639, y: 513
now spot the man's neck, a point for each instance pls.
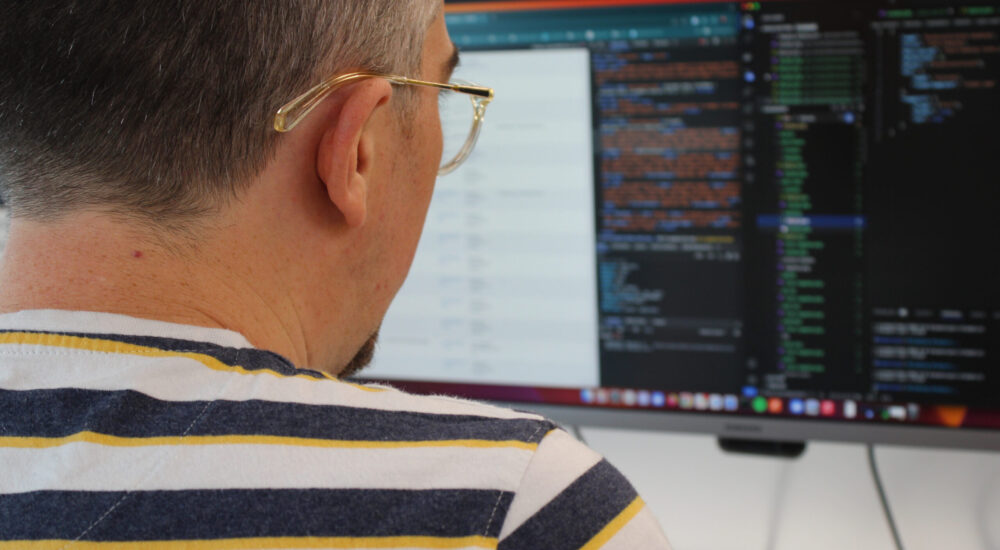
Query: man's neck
x: 89, y: 262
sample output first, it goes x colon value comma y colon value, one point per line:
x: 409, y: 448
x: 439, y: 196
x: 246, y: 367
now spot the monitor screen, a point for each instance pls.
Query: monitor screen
x: 764, y: 219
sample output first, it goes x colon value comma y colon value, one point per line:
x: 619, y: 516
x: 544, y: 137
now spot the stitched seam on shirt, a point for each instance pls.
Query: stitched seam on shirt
x: 148, y: 474
x: 496, y: 506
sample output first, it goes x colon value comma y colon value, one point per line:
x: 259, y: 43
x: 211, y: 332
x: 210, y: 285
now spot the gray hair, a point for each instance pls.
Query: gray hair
x: 161, y: 110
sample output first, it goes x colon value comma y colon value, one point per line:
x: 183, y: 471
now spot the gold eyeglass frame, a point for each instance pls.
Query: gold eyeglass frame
x: 293, y: 112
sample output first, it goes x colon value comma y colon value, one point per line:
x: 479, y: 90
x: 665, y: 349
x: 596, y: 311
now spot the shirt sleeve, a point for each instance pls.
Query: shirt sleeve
x: 571, y: 498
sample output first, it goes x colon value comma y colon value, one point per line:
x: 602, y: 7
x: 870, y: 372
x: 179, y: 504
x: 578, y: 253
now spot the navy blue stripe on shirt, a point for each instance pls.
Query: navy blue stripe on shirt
x: 579, y: 513
x: 221, y: 514
x: 63, y: 412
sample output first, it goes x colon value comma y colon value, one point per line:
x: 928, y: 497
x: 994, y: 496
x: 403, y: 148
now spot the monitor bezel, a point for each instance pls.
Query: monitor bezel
x: 742, y: 426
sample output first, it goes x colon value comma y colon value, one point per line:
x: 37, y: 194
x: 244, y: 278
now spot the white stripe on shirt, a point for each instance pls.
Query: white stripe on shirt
x: 91, y: 467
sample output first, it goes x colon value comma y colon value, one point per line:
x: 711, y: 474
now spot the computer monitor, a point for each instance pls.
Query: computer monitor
x: 763, y: 220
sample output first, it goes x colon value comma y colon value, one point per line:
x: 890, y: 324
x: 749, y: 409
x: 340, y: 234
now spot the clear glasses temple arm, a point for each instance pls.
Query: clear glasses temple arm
x: 290, y: 114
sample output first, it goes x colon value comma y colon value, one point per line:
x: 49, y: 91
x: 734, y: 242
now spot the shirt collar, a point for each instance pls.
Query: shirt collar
x: 93, y: 322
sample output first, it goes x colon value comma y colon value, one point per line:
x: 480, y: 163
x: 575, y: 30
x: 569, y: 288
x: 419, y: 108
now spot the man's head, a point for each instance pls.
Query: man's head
x: 162, y: 108
x: 154, y: 119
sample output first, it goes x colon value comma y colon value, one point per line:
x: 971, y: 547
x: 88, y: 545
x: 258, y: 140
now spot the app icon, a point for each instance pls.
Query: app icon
x: 759, y: 404
x: 796, y: 406
x: 775, y: 405
x: 715, y: 402
x: 701, y: 401
x: 850, y: 409
x: 673, y: 400
x: 828, y: 408
x: 616, y: 397
x: 897, y: 412
x: 732, y: 403
x: 914, y: 411
x: 630, y: 398
x: 812, y: 407
x: 644, y: 398
x: 687, y: 400
x: 659, y: 399
x: 587, y: 395
x: 603, y: 397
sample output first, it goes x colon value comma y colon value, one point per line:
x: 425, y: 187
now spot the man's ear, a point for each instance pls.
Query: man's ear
x: 347, y: 149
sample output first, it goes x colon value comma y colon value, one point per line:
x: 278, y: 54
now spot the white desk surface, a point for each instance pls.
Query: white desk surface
x: 825, y: 499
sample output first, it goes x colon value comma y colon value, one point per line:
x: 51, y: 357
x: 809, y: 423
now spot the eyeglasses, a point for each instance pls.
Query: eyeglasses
x: 459, y: 137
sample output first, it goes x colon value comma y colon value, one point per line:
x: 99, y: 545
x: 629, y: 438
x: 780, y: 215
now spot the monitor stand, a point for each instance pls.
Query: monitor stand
x: 780, y: 449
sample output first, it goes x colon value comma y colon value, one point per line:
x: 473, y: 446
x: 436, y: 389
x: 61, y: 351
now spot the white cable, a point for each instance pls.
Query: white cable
x: 882, y: 497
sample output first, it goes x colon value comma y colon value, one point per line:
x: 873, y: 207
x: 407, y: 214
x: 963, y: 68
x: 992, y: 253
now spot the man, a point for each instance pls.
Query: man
x: 183, y: 284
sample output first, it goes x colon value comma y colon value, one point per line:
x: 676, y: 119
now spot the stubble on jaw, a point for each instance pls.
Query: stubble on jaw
x: 361, y: 359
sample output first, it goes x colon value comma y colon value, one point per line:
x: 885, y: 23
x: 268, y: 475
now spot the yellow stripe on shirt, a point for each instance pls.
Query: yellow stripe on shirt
x: 117, y: 441
x: 616, y: 525
x: 264, y: 542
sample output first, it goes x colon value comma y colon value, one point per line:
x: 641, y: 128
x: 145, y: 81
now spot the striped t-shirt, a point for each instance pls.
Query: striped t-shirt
x: 118, y: 432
